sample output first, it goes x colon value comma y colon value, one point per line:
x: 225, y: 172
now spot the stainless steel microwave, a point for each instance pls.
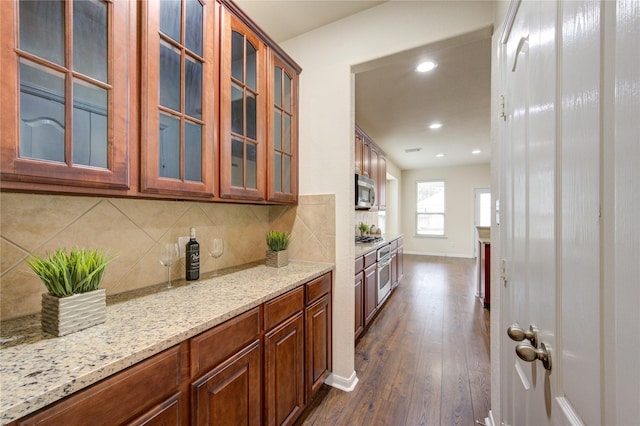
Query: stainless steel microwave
x: 365, y: 192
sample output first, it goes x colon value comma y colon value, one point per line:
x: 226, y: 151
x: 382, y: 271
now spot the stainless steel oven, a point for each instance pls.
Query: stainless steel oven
x: 384, y: 273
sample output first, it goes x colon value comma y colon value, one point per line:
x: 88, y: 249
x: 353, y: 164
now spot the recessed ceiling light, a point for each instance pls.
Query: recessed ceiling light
x: 412, y: 150
x: 435, y: 125
x: 440, y: 155
x: 426, y: 66
x: 476, y: 151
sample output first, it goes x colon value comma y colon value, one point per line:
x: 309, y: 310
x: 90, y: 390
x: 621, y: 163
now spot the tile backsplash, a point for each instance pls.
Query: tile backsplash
x: 133, y: 229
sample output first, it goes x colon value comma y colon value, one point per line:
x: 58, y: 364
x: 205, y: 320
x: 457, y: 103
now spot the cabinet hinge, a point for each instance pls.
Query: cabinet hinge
x: 503, y: 109
x: 503, y: 272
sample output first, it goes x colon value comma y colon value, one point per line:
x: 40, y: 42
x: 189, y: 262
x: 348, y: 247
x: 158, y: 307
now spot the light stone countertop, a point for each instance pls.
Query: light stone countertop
x: 362, y: 249
x: 37, y: 369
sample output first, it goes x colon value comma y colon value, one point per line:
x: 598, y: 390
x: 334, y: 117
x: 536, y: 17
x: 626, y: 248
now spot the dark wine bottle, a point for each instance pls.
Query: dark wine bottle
x: 192, y: 260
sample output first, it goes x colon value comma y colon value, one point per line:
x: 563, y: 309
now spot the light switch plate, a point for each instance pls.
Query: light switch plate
x: 182, y: 243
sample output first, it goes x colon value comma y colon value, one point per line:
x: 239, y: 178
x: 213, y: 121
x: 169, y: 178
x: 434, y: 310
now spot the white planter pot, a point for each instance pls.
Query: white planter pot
x: 61, y: 316
x: 277, y: 259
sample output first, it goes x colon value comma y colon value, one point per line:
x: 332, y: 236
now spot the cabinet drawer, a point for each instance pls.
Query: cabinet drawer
x: 283, y: 307
x: 359, y: 265
x: 370, y: 258
x: 118, y: 398
x: 394, y: 245
x: 214, y: 346
x: 318, y: 287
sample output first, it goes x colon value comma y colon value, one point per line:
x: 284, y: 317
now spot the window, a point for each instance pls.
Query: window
x: 430, y: 208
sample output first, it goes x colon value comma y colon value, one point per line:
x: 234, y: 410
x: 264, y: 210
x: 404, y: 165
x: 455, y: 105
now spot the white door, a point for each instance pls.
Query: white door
x: 550, y: 213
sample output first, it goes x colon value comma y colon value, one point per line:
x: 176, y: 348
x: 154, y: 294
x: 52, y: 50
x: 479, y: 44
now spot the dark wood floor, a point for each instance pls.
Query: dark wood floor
x: 425, y: 358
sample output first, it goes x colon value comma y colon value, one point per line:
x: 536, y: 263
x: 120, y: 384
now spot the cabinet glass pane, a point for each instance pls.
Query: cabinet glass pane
x: 193, y: 87
x: 171, y: 18
x: 169, y: 76
x: 287, y: 93
x: 252, y: 166
x: 193, y: 27
x: 277, y: 86
x: 287, y: 174
x: 277, y: 172
x: 237, y: 110
x: 237, y: 56
x: 252, y: 116
x: 90, y: 38
x: 169, y: 146
x: 237, y: 163
x: 89, y: 125
x: 42, y: 29
x: 277, y: 129
x: 42, y: 117
x: 192, y: 152
x: 287, y: 133
x: 252, y: 65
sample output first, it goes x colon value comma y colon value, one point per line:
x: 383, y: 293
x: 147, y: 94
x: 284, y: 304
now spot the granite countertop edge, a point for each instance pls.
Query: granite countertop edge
x: 362, y: 249
x: 41, y: 369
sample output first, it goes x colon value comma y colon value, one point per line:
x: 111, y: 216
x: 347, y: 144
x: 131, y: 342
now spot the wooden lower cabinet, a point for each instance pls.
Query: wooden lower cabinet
x: 359, y: 316
x: 370, y: 295
x: 144, y: 394
x: 231, y: 393
x: 284, y: 372
x: 260, y: 367
x: 318, y: 324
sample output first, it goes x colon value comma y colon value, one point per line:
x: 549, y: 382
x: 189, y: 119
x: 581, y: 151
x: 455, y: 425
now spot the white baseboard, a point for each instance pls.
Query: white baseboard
x: 345, y: 384
x: 420, y: 253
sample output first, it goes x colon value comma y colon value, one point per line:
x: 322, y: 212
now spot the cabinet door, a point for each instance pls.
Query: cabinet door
x: 359, y: 316
x: 178, y: 90
x: 359, y: 148
x: 167, y: 413
x: 366, y: 157
x: 370, y: 294
x: 373, y: 174
x: 282, y: 122
x: 400, y: 264
x: 318, y: 343
x: 242, y: 111
x: 394, y: 269
x: 231, y: 393
x: 284, y: 372
x: 381, y: 183
x: 65, y: 92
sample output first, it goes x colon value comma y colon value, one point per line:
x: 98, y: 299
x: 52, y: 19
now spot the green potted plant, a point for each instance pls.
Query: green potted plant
x: 277, y: 255
x: 364, y: 228
x: 74, y: 300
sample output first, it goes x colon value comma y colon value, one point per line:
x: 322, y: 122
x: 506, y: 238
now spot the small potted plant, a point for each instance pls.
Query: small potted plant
x: 277, y: 255
x: 74, y: 300
x: 364, y: 228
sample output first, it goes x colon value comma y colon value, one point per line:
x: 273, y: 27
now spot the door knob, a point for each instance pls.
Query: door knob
x: 528, y: 353
x: 518, y: 334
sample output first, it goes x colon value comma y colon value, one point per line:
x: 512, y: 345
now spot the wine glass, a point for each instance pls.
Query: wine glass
x: 215, y: 248
x: 168, y: 256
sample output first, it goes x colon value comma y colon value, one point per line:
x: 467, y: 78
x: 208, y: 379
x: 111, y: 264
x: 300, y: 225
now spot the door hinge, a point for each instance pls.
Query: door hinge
x: 503, y: 272
x: 503, y: 108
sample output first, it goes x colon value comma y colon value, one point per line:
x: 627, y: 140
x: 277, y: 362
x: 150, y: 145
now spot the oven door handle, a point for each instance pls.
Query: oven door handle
x: 383, y: 262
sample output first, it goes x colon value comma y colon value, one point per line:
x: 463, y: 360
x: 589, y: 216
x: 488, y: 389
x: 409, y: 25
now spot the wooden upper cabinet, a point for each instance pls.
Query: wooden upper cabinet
x: 381, y: 193
x: 242, y: 111
x: 282, y: 122
x: 359, y: 148
x: 65, y: 87
x: 179, y: 90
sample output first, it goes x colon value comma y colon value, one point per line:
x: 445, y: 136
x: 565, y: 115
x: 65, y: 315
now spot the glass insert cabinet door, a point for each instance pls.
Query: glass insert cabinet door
x: 242, y: 76
x: 179, y: 89
x: 283, y: 135
x: 64, y: 114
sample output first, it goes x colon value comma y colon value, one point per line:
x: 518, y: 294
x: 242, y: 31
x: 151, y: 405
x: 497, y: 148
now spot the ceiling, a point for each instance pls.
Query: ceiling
x: 394, y: 104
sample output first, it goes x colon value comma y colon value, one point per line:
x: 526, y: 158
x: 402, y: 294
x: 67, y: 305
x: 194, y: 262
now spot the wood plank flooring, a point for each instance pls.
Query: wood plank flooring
x: 425, y: 358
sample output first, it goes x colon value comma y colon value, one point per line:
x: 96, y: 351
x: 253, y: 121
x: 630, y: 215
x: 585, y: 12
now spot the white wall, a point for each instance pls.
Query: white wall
x: 459, y: 183
x: 327, y: 119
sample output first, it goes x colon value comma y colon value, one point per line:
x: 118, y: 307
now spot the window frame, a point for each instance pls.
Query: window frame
x: 439, y: 213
